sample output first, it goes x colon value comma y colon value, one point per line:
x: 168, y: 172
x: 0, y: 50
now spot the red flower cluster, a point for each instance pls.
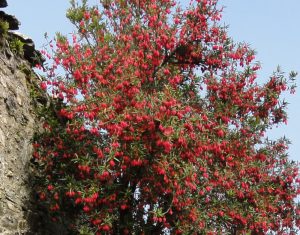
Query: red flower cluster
x: 161, y: 126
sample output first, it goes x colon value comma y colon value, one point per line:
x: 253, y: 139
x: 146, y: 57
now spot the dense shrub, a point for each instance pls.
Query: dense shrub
x: 162, y: 125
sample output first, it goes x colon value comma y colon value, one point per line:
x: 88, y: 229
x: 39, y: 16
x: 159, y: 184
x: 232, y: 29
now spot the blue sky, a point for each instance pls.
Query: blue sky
x: 271, y: 27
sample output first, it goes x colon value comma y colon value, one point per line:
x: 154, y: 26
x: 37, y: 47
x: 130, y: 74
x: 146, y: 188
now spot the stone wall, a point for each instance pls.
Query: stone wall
x: 17, y: 126
x: 19, y: 211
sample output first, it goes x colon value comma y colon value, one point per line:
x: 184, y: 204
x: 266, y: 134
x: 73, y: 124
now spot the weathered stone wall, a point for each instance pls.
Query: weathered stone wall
x: 17, y: 126
x: 19, y: 212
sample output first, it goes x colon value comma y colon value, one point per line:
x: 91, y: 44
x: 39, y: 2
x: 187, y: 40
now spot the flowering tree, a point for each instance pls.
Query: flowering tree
x: 162, y: 124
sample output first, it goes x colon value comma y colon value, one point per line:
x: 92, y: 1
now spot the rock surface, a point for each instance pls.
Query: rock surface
x: 12, y: 20
x: 17, y: 126
x: 32, y: 55
x: 3, y: 3
x: 19, y: 96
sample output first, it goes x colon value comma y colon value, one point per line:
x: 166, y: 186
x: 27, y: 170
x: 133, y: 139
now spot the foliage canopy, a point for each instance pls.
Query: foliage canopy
x: 162, y: 126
